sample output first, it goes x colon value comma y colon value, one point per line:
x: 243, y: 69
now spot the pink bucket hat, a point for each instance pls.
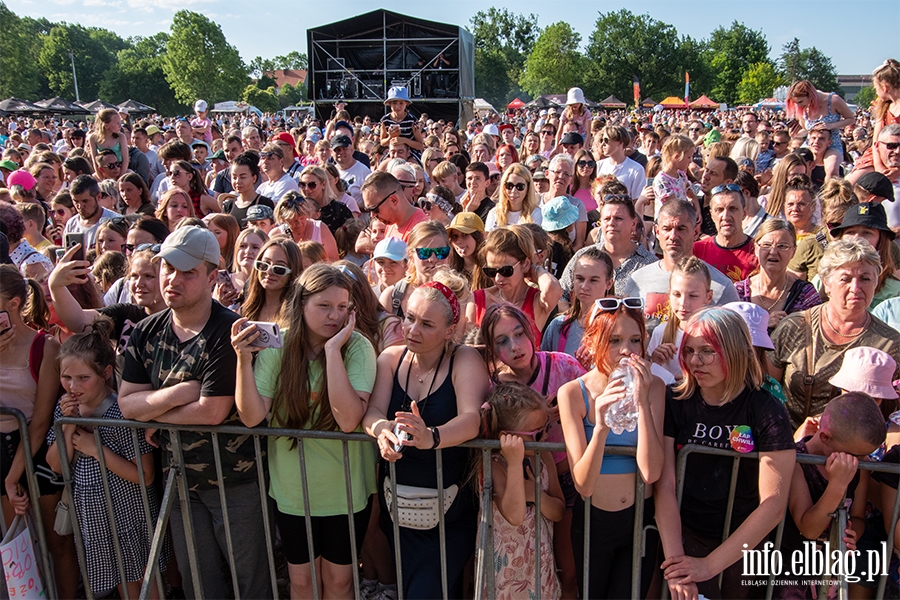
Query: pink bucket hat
x: 867, y: 370
x: 757, y: 320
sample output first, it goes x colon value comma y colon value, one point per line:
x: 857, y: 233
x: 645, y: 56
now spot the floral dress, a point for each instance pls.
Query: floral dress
x: 514, y: 549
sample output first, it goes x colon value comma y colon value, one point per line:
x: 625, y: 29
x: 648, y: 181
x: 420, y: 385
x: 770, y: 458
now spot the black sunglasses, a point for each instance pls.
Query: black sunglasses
x: 374, y: 210
x: 506, y: 271
x: 307, y: 185
x: 112, y: 165
x: 521, y: 187
x: 586, y: 163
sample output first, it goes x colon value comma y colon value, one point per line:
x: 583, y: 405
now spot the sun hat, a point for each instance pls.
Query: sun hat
x: 259, y: 212
x: 200, y: 106
x: 467, y: 222
x: 757, y: 320
x: 575, y: 96
x: 391, y: 248
x: 867, y: 370
x: 398, y: 93
x: 23, y: 178
x: 865, y: 214
x: 877, y: 184
x: 187, y: 247
x: 152, y: 130
x: 491, y: 129
x: 551, y: 111
x: 539, y: 175
x: 558, y: 214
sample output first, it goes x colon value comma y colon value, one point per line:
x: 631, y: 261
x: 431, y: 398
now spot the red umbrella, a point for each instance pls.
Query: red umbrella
x: 515, y: 104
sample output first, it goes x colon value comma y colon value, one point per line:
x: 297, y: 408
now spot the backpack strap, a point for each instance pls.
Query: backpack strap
x: 397, y: 297
x: 822, y: 239
x: 547, y: 364
x: 36, y: 354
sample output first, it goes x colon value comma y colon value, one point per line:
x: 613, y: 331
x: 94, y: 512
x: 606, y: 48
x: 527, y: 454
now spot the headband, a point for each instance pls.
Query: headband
x: 449, y: 295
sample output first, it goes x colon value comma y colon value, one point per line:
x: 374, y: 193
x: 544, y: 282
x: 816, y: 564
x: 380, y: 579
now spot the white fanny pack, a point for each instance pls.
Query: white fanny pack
x: 417, y: 507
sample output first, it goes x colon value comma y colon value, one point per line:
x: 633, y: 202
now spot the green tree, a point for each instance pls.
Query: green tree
x: 290, y: 95
x: 503, y: 41
x: 624, y: 45
x: 555, y: 63
x: 138, y: 74
x: 291, y: 60
x: 200, y: 63
x: 732, y: 52
x: 92, y: 56
x: 759, y: 82
x: 19, y: 75
x: 811, y: 64
x: 264, y: 100
x: 865, y: 97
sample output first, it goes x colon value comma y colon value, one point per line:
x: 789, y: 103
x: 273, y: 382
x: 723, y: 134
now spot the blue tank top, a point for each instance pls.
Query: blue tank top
x: 612, y: 464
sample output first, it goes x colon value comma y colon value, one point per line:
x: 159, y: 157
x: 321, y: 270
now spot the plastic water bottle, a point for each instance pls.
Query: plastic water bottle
x: 623, y: 415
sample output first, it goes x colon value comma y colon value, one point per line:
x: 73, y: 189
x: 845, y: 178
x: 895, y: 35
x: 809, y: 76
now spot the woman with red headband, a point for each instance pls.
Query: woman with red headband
x: 426, y: 398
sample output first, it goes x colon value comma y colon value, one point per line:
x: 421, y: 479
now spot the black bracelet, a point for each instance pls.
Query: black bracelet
x: 437, y: 437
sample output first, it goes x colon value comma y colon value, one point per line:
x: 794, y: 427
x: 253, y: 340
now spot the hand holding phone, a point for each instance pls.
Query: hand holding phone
x: 269, y: 334
x: 72, y: 239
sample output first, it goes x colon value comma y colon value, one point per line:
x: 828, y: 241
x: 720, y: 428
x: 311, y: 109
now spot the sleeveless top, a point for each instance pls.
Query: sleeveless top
x: 830, y: 117
x: 527, y: 308
x: 419, y: 467
x: 18, y: 385
x: 612, y: 464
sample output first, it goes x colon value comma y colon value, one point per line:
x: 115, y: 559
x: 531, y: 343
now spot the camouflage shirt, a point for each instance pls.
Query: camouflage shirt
x: 156, y: 356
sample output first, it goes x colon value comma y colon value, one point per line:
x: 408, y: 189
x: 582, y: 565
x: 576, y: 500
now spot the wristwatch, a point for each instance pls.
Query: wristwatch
x: 437, y: 437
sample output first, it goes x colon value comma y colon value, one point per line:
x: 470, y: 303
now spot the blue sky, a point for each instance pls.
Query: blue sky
x: 857, y: 34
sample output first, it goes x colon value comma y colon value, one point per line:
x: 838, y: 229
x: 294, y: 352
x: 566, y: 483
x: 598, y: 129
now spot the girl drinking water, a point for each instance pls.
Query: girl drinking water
x: 616, y: 334
x: 86, y: 363
x: 689, y: 291
x: 516, y: 414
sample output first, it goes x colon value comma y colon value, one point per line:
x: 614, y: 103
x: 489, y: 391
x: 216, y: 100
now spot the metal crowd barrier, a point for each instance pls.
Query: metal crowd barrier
x: 484, y: 576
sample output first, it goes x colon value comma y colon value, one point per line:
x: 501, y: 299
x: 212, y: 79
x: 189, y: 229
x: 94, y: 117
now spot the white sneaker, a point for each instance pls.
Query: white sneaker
x: 368, y: 588
x: 386, y: 592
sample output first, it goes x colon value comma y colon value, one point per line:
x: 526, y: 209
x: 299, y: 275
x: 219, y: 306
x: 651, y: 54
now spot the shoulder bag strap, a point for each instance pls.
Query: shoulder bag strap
x: 547, y: 365
x: 36, y: 354
x: 809, y: 378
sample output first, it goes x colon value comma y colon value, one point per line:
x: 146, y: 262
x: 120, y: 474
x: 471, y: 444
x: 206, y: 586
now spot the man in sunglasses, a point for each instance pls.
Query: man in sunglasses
x: 383, y: 199
x: 180, y: 368
x: 86, y: 197
x: 888, y: 148
x: 108, y: 165
x: 276, y: 182
x: 351, y: 171
x: 781, y: 142
x: 676, y: 229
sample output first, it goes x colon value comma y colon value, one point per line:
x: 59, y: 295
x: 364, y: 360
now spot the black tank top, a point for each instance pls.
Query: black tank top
x: 419, y: 467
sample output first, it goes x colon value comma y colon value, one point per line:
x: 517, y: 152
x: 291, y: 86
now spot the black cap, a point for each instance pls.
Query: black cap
x: 806, y: 154
x: 572, y: 138
x: 341, y: 141
x: 864, y: 214
x: 877, y: 184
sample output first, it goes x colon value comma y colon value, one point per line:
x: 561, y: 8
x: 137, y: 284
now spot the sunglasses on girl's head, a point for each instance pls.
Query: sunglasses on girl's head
x: 537, y: 434
x: 506, y: 270
x: 154, y: 248
x: 611, y: 304
x: 264, y: 267
x: 521, y: 187
x: 307, y: 185
x: 439, y: 253
x: 586, y: 163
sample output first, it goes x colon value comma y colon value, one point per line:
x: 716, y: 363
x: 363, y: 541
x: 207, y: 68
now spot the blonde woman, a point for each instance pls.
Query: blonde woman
x: 294, y: 216
x: 518, y: 200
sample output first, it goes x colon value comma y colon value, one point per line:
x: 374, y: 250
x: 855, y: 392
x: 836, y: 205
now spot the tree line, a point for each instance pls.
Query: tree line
x: 516, y: 57
x: 168, y: 70
x: 513, y: 57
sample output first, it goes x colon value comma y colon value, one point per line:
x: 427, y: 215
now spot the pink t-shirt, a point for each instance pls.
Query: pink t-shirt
x: 198, y: 122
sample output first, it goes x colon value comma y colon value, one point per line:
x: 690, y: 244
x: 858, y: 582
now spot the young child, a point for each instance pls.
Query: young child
x: 757, y: 319
x: 515, y: 414
x: 851, y: 426
x: 672, y: 183
x: 86, y: 362
x: 558, y: 220
x: 201, y: 125
x: 398, y: 123
x: 689, y: 291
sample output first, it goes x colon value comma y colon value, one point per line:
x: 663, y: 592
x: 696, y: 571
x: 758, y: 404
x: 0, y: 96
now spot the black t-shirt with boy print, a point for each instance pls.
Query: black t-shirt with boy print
x: 753, y: 422
x: 156, y: 356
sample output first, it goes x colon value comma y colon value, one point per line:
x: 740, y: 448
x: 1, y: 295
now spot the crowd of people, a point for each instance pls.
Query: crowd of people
x: 428, y: 283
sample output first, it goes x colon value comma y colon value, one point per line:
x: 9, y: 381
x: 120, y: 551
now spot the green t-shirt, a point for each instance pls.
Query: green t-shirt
x: 324, y: 458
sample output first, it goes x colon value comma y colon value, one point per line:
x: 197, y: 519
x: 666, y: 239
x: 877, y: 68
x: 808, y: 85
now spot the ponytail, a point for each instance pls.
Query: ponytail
x: 92, y: 346
x: 33, y: 306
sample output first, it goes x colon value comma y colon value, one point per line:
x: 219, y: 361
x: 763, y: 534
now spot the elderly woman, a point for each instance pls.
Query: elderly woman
x: 721, y: 391
x: 773, y: 288
x: 809, y: 346
x: 868, y: 221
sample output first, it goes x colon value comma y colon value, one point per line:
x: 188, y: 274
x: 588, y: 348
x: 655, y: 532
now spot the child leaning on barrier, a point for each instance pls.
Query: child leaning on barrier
x: 850, y: 429
x: 86, y: 363
x: 514, y: 414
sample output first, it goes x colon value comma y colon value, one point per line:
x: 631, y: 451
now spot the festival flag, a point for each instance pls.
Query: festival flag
x: 637, y: 92
x: 687, y: 88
